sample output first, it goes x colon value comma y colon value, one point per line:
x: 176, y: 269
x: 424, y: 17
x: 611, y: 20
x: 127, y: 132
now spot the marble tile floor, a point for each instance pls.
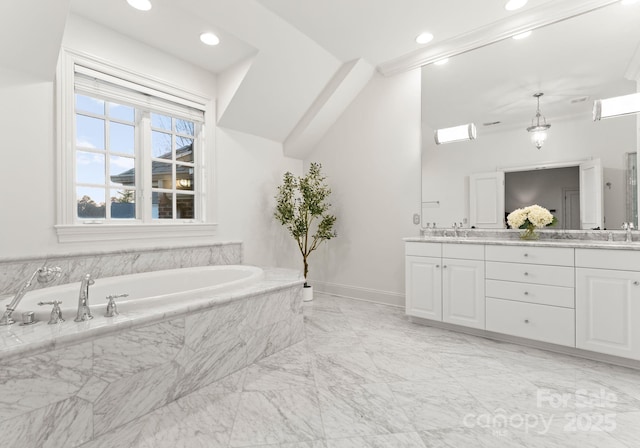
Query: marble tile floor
x: 366, y: 377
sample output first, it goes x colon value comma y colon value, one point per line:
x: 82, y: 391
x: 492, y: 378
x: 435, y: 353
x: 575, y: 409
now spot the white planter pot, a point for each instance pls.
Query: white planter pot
x: 307, y: 293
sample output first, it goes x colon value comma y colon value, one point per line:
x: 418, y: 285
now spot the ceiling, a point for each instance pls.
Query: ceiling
x: 375, y: 30
x: 573, y: 62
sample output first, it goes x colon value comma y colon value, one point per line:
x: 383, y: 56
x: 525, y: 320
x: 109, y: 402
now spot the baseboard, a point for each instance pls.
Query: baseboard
x: 359, y: 293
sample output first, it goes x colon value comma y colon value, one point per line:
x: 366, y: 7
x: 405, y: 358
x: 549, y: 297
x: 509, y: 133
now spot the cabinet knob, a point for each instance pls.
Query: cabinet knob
x: 526, y: 255
x: 636, y: 283
x: 437, y: 266
x: 526, y: 273
x: 445, y: 266
x: 526, y: 293
x: 526, y: 321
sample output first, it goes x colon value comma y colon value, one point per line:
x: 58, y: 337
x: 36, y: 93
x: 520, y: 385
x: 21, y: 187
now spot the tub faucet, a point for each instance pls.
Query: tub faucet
x: 84, y: 312
x: 43, y: 275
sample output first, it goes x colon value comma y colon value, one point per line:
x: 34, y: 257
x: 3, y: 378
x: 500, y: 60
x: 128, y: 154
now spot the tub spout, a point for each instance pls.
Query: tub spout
x: 43, y: 275
x: 84, y: 312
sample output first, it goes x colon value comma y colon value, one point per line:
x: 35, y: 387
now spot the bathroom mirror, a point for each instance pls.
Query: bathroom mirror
x: 573, y: 62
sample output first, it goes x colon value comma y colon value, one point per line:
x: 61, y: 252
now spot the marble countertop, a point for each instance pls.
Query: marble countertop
x: 18, y: 341
x: 542, y: 242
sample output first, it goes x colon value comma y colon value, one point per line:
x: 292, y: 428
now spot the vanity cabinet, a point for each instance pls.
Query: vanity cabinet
x: 445, y: 283
x: 608, y: 302
x: 530, y: 293
x: 463, y: 298
x: 423, y: 268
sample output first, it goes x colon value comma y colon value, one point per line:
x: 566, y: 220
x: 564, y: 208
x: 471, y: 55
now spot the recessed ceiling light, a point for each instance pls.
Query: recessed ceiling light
x: 629, y: 2
x: 441, y: 61
x: 522, y: 35
x: 142, y: 5
x: 512, y: 5
x: 209, y: 39
x: 424, y: 38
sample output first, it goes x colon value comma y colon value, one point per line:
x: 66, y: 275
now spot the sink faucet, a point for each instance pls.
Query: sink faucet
x: 84, y: 312
x: 43, y: 275
x: 628, y: 226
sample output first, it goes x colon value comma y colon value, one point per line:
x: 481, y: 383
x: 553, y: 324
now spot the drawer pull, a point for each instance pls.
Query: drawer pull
x: 526, y: 293
x: 526, y: 274
x: 526, y: 321
x: 526, y: 255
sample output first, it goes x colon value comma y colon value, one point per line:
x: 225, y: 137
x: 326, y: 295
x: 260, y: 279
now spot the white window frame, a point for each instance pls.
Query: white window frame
x: 71, y: 229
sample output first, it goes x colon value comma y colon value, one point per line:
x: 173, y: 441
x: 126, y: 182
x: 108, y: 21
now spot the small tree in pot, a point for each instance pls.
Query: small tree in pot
x: 302, y: 208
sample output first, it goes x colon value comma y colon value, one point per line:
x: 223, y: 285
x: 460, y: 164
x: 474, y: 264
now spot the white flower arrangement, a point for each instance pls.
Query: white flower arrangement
x: 533, y: 216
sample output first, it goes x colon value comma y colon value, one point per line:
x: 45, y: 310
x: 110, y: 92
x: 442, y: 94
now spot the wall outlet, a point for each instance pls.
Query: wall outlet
x: 416, y: 218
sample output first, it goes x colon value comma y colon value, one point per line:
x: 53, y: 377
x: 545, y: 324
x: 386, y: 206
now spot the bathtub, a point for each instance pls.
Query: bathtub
x: 178, y: 331
x: 145, y: 290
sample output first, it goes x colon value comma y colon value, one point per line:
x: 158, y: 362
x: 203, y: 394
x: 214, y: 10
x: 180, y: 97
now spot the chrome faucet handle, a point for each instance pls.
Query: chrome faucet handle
x: 56, y: 312
x: 112, y: 308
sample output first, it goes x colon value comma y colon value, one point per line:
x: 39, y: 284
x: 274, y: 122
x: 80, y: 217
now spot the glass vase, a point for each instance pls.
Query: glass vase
x: 529, y: 233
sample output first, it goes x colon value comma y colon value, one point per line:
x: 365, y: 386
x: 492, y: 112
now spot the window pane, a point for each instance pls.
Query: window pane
x: 122, y: 170
x: 162, y: 175
x: 185, y: 127
x: 90, y: 203
x: 184, y: 177
x: 161, y: 145
x: 123, y: 204
x: 161, y: 121
x: 90, y: 168
x: 121, y: 112
x: 162, y: 205
x: 184, y: 149
x: 88, y: 104
x: 184, y: 206
x: 89, y: 132
x: 121, y: 138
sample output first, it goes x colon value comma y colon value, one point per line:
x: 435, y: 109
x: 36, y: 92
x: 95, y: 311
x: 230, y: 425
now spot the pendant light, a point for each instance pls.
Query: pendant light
x: 538, y: 131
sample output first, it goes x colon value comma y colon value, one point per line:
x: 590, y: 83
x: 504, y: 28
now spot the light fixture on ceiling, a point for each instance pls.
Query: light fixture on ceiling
x: 209, y: 39
x: 455, y: 134
x: 538, y: 131
x: 522, y: 35
x: 424, y: 38
x: 142, y: 5
x: 512, y: 5
x: 616, y: 106
x: 441, y: 61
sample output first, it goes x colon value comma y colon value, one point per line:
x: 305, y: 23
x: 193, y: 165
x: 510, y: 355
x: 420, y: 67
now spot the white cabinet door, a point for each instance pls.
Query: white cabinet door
x: 591, y: 197
x: 486, y: 200
x: 463, y: 292
x: 608, y: 311
x: 424, y: 287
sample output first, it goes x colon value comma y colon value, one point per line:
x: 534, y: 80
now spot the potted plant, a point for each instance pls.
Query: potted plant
x: 302, y: 208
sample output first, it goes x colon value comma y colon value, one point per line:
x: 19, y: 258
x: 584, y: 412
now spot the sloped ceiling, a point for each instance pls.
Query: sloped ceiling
x: 30, y: 36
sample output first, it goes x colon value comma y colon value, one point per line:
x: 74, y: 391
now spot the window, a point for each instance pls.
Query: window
x: 131, y: 156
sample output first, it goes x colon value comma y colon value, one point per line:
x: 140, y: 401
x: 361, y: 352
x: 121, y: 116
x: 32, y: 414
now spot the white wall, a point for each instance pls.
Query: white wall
x: 446, y: 168
x: 246, y: 169
x: 371, y: 157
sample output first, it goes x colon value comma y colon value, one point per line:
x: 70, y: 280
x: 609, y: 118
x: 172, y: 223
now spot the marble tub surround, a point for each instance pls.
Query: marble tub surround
x: 327, y: 393
x: 15, y: 271
x: 73, y: 393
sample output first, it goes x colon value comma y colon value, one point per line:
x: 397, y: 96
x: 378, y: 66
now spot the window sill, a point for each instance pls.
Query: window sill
x: 114, y: 232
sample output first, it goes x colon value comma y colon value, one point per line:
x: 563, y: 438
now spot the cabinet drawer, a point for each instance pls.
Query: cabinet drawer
x: 463, y: 251
x: 423, y: 249
x: 528, y: 320
x: 531, y: 293
x: 624, y: 260
x: 558, y: 256
x: 531, y: 273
